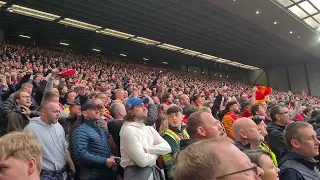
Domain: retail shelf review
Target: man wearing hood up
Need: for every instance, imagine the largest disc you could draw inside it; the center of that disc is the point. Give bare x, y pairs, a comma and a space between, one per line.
51, 135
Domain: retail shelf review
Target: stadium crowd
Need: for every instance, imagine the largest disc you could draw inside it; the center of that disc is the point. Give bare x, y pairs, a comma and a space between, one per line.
66, 116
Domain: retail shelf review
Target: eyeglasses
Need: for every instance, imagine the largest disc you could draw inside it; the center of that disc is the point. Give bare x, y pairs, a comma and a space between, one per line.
254, 168
283, 112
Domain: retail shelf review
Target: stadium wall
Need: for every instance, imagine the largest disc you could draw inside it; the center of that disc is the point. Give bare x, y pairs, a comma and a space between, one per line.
313, 74
278, 78
1, 35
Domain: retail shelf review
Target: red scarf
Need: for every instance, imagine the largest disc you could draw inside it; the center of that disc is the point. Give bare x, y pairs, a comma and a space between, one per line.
233, 116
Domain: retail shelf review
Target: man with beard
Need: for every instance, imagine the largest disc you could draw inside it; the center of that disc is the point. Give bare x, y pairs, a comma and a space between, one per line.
140, 145
229, 118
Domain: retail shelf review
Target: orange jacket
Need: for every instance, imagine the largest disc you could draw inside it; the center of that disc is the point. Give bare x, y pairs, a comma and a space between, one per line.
227, 122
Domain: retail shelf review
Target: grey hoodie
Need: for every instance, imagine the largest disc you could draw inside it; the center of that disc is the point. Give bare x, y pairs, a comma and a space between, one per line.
53, 143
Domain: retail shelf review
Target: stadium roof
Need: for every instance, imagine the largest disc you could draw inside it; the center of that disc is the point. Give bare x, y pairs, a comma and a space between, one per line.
236, 33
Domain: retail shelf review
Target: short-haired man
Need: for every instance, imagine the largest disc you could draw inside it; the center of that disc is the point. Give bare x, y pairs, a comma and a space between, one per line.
184, 100
55, 155
280, 119
297, 162
232, 109
20, 157
216, 158
118, 112
202, 125
19, 117
173, 135
91, 149
140, 145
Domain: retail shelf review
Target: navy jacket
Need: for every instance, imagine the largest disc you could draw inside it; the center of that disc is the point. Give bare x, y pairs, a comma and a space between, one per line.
296, 167
91, 150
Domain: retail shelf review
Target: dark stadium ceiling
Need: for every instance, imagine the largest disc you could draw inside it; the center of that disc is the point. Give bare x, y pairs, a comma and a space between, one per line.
232, 32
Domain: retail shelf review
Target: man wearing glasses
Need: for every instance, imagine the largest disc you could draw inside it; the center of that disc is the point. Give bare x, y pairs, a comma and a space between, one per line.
217, 158
280, 119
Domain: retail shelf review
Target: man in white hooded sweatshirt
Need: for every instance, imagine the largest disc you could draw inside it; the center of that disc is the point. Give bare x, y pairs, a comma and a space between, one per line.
140, 145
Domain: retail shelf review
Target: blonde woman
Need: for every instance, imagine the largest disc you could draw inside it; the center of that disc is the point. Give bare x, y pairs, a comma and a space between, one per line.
263, 160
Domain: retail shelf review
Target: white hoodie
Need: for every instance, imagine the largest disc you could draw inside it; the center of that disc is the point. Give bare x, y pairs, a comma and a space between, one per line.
134, 137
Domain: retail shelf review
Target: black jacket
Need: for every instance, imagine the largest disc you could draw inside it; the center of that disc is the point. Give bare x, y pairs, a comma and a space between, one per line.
275, 139
184, 143
293, 166
114, 128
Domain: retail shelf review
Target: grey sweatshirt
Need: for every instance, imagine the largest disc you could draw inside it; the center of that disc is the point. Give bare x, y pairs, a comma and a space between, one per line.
53, 143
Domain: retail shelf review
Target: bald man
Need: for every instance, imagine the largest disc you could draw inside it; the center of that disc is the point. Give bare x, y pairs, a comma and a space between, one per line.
247, 133
55, 150
117, 111
184, 100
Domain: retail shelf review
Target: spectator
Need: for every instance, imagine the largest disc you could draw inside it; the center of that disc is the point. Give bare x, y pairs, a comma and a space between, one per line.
263, 160
187, 111
20, 157
19, 117
184, 100
167, 98
259, 120
217, 158
231, 115
280, 119
297, 162
55, 155
91, 149
307, 113
248, 134
118, 112
202, 125
140, 145
173, 135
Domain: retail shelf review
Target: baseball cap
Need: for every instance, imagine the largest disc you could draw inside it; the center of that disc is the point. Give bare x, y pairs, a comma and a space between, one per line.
134, 102
74, 103
88, 105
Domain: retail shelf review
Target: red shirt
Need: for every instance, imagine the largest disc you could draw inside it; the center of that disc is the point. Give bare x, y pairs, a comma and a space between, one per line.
246, 113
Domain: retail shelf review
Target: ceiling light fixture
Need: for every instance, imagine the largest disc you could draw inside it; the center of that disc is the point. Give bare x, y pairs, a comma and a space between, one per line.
144, 41
169, 47
275, 22
79, 24
124, 55
257, 12
2, 3
33, 13
65, 44
298, 37
97, 50
290, 32
164, 62
24, 36
146, 59
114, 33
189, 52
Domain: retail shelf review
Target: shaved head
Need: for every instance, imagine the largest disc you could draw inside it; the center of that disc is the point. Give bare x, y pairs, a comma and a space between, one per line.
241, 124
246, 129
